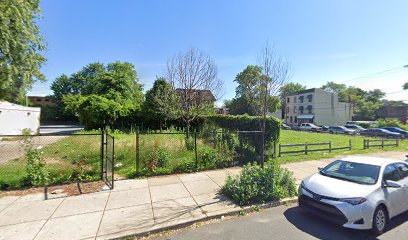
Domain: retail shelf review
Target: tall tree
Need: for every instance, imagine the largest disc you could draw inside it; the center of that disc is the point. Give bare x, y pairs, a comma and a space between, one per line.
100, 94
193, 75
157, 99
405, 86
21, 47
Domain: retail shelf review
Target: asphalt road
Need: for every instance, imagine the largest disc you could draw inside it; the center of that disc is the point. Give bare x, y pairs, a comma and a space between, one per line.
285, 223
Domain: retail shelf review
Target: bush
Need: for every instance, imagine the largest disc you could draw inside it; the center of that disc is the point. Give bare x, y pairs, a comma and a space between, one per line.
37, 173
208, 157
390, 123
163, 157
260, 185
186, 165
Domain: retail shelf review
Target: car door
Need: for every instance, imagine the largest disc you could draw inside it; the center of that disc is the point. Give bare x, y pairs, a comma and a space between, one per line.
403, 171
393, 196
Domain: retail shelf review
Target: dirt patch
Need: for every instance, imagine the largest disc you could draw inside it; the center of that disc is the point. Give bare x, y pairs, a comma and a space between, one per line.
67, 189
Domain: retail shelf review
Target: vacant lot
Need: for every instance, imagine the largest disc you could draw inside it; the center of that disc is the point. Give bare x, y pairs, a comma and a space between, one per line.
160, 154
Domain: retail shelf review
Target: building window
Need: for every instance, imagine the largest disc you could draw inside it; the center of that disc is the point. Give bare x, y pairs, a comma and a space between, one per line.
294, 109
309, 108
38, 99
287, 109
288, 100
295, 119
310, 97
294, 99
291, 119
301, 99
301, 109
47, 100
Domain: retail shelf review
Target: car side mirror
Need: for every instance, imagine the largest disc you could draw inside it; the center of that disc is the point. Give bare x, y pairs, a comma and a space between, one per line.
392, 184
320, 168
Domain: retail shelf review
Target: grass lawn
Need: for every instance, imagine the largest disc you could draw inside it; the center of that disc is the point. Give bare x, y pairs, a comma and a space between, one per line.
168, 152
337, 140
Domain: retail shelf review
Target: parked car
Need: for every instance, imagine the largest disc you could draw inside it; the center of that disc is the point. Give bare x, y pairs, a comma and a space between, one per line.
357, 192
285, 127
325, 128
397, 130
378, 132
407, 158
342, 130
355, 127
309, 127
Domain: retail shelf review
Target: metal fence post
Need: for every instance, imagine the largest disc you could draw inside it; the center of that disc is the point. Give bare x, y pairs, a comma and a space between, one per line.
102, 152
274, 149
113, 161
137, 152
195, 150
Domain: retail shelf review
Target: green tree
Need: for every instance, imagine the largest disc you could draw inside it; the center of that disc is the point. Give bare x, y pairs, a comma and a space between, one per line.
157, 99
405, 86
101, 94
21, 47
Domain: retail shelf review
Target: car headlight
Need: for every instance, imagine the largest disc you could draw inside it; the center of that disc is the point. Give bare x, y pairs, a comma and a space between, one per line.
353, 201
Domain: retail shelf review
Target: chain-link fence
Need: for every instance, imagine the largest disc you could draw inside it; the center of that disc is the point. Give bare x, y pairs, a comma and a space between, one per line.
49, 159
145, 154
53, 159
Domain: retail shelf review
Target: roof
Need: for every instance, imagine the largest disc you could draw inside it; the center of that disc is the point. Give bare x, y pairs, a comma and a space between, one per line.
4, 105
377, 161
202, 94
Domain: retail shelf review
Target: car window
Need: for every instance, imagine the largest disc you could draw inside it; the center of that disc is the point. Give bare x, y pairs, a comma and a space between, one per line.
351, 171
402, 169
391, 173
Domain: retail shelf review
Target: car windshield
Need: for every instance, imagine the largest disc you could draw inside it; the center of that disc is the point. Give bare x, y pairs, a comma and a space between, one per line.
353, 172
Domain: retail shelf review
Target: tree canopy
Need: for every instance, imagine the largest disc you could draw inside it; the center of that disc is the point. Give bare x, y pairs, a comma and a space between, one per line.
100, 94
21, 47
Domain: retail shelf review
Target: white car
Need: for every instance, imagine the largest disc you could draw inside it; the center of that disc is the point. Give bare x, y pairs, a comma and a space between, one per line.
309, 127
358, 192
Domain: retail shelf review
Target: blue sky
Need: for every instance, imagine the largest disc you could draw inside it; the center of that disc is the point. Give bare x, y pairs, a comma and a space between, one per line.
324, 40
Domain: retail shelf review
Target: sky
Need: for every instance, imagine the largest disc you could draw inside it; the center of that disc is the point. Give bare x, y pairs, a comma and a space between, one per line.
360, 43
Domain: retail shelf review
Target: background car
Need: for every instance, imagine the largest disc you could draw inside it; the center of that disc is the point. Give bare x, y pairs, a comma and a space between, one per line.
325, 128
357, 192
355, 127
309, 127
285, 127
397, 130
341, 129
378, 132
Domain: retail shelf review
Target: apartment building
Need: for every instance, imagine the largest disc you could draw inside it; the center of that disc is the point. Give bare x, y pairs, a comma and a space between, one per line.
318, 107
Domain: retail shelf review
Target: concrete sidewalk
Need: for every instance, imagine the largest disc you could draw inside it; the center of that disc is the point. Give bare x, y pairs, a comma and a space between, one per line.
134, 206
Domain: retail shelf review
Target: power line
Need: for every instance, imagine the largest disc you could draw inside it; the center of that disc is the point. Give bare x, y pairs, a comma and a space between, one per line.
372, 74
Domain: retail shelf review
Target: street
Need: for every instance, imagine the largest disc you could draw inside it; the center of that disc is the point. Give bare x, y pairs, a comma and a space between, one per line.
285, 222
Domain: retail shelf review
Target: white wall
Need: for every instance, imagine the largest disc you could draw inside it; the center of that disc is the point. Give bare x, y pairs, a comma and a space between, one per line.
14, 118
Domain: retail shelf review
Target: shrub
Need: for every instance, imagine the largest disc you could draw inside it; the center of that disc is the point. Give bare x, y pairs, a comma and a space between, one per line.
163, 157
185, 165
37, 173
260, 185
208, 157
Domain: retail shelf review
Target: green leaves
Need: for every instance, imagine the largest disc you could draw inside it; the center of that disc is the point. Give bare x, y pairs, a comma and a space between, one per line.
20, 48
100, 94
260, 185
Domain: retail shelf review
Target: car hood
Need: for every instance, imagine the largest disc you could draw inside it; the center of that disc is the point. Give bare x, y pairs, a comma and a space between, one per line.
336, 188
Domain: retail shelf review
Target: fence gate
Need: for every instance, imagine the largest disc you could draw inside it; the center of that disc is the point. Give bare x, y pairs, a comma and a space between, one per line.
108, 159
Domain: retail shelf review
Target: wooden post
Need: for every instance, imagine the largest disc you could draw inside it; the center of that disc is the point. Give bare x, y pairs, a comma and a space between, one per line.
349, 144
382, 143
306, 148
397, 142
280, 149
330, 147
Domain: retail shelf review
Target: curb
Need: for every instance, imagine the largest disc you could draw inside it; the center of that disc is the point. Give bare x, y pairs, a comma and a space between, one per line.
246, 209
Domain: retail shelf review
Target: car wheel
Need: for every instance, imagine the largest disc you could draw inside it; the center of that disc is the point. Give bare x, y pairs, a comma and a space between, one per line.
380, 220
